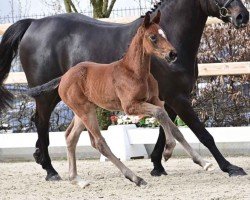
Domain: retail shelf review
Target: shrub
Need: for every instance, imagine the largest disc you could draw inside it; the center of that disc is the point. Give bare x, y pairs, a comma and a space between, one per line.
223, 100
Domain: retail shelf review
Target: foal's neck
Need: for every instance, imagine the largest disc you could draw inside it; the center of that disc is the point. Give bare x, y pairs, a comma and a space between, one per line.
136, 59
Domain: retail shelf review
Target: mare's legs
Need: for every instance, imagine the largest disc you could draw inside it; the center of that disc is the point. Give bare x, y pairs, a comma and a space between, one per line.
72, 135
182, 107
89, 119
44, 108
185, 111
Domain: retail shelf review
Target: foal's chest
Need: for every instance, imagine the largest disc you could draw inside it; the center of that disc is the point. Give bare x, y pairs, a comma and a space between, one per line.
133, 89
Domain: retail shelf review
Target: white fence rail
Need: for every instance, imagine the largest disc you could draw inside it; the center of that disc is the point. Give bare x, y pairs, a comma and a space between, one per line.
126, 141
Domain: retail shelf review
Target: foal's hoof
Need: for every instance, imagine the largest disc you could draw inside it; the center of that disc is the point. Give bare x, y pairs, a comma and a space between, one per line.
158, 172
140, 182
53, 177
83, 184
166, 156
208, 167
236, 171
80, 182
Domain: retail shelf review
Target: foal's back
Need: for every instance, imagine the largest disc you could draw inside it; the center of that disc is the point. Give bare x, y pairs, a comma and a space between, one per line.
90, 82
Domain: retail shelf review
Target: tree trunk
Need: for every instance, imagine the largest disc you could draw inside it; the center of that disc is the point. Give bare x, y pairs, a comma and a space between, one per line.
101, 8
67, 6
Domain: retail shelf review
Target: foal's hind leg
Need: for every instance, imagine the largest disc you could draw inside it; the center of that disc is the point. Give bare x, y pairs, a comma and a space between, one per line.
72, 135
90, 121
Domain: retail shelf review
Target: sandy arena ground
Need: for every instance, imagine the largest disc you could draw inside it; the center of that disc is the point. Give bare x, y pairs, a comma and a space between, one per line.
185, 181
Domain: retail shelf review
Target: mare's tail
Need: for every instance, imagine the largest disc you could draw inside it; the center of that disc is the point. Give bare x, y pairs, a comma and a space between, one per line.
8, 51
47, 87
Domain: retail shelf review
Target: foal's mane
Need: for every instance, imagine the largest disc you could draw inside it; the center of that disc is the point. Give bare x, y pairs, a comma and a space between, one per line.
129, 45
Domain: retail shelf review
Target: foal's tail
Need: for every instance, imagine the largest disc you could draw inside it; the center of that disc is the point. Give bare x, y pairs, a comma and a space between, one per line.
47, 87
8, 51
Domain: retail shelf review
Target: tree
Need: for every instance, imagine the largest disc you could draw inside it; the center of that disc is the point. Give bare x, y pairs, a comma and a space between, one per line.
102, 8
70, 6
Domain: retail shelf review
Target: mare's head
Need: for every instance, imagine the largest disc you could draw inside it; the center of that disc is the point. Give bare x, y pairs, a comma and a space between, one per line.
154, 39
228, 10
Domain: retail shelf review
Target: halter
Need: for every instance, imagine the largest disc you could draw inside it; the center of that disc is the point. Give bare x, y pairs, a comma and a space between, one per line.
224, 12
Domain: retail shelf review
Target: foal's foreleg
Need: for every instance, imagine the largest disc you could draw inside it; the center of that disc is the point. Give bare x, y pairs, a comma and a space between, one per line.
194, 155
160, 114
180, 138
72, 135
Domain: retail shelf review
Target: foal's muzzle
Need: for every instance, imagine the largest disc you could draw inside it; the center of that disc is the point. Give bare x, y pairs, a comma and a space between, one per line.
171, 56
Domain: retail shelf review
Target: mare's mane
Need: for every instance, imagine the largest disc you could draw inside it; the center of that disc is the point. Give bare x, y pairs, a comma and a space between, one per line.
156, 7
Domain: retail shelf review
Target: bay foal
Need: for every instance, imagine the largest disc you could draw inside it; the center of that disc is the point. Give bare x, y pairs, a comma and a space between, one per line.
126, 85
123, 85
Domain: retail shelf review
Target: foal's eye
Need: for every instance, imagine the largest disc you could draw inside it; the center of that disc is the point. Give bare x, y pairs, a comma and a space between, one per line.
153, 38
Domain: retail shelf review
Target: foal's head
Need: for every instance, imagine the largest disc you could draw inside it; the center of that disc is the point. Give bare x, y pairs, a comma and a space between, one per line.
155, 41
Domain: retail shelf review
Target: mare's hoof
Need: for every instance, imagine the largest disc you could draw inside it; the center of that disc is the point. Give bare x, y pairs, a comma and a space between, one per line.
140, 182
158, 172
236, 171
53, 177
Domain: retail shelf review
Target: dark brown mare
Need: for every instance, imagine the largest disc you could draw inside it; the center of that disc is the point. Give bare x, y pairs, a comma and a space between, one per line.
50, 46
124, 85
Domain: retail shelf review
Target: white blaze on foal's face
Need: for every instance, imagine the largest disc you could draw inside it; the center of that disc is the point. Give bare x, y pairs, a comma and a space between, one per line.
161, 32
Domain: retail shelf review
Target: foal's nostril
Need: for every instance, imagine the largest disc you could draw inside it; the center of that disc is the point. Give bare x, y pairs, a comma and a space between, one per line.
172, 56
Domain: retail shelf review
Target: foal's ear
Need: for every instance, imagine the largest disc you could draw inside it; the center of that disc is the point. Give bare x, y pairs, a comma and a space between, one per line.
146, 22
157, 18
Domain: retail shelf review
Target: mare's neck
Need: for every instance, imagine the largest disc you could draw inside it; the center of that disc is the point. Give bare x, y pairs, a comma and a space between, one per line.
136, 59
184, 22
